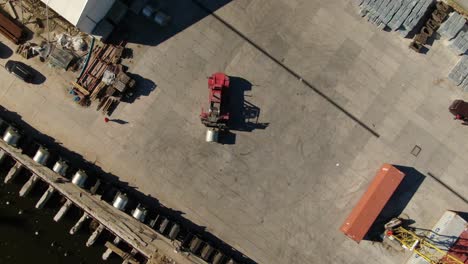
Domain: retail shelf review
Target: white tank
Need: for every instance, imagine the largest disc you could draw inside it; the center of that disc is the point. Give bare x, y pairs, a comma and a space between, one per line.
120, 201
212, 135
140, 213
60, 167
42, 155
11, 136
79, 178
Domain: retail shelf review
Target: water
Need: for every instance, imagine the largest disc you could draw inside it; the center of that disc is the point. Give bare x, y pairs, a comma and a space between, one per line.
29, 235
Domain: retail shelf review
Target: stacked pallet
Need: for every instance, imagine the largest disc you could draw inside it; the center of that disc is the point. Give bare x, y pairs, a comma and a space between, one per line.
459, 74
93, 84
399, 15
456, 31
450, 28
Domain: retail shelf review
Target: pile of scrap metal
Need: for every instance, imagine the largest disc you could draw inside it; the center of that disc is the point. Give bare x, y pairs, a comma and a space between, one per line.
103, 79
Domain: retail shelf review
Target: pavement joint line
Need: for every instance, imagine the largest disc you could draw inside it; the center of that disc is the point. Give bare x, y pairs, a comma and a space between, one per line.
447, 187
288, 69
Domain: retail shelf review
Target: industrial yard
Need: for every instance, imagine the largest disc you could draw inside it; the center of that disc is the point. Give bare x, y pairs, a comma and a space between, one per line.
322, 99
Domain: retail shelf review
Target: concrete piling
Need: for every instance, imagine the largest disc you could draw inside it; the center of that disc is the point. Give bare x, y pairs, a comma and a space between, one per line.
95, 235
27, 187
78, 224
14, 171
45, 197
66, 206
2, 155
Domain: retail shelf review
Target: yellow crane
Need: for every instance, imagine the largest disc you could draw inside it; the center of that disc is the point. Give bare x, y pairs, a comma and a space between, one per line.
419, 244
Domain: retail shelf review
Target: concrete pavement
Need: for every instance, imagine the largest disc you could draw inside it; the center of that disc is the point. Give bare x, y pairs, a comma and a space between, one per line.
277, 194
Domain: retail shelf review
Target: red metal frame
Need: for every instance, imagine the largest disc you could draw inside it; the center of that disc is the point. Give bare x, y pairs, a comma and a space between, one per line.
217, 114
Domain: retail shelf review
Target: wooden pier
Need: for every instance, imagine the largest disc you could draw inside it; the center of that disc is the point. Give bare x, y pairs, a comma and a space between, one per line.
138, 235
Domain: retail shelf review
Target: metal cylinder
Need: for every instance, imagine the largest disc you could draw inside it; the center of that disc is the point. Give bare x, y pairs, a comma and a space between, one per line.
11, 136
212, 135
60, 167
79, 178
41, 156
140, 213
175, 229
120, 201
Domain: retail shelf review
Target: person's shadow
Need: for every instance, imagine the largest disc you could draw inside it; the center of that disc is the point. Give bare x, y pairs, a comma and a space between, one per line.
118, 121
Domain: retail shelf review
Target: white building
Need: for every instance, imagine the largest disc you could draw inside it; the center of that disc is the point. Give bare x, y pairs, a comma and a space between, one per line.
84, 14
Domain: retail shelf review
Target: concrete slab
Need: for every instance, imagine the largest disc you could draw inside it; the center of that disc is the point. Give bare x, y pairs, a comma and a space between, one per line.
278, 194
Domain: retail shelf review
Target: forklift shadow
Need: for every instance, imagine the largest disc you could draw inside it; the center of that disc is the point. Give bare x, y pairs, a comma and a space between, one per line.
244, 115
397, 202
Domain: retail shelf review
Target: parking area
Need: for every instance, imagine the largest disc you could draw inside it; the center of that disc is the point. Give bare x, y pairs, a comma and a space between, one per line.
276, 192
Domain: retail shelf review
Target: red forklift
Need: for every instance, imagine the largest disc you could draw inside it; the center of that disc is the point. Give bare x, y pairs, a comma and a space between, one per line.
217, 115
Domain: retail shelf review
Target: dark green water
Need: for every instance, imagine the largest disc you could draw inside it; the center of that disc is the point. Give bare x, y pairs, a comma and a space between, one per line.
19, 222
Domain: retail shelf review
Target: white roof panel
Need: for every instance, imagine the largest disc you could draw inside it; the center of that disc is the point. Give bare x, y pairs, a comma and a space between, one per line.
69, 9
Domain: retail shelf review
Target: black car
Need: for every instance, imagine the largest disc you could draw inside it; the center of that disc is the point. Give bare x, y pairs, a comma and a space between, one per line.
20, 70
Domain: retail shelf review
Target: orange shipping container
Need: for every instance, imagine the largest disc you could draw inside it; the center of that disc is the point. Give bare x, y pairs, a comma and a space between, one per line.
372, 202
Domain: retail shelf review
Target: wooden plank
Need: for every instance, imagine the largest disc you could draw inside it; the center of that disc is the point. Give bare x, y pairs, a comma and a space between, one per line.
124, 255
80, 88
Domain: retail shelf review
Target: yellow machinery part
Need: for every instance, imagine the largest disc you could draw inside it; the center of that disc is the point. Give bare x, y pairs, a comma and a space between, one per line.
431, 253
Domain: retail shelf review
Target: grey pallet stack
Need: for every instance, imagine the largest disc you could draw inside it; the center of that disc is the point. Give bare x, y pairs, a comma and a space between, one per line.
450, 28
459, 73
417, 13
379, 12
401, 15
459, 44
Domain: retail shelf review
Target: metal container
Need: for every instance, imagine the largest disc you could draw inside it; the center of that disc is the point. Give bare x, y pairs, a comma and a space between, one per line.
60, 167
164, 225
212, 135
120, 201
79, 178
11, 136
42, 155
195, 244
175, 229
372, 202
140, 213
206, 252
218, 258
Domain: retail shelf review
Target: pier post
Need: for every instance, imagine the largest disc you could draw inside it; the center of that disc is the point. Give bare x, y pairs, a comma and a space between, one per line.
78, 224
45, 197
95, 235
14, 171
2, 155
109, 251
62, 211
27, 187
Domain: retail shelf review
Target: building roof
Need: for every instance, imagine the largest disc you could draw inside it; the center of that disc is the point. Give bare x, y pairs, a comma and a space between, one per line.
70, 10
